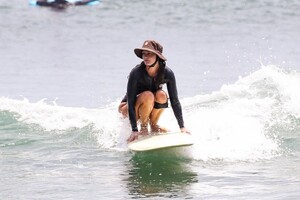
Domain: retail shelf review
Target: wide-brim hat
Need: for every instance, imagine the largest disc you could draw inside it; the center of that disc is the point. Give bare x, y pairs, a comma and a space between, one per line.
152, 46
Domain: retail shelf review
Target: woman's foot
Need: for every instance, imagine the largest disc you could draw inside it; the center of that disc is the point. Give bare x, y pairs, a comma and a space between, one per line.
144, 130
158, 129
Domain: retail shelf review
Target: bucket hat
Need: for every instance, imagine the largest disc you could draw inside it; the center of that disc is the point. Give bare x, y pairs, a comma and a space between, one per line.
152, 46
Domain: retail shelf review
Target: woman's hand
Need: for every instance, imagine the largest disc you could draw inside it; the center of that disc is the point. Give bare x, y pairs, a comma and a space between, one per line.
184, 130
134, 135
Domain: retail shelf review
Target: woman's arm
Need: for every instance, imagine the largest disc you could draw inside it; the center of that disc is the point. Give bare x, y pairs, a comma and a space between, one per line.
131, 99
173, 95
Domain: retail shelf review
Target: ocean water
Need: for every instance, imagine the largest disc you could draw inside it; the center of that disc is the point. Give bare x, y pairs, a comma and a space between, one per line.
63, 74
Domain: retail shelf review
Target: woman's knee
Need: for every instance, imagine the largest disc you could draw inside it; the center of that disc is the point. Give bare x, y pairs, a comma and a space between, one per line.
123, 109
161, 96
147, 96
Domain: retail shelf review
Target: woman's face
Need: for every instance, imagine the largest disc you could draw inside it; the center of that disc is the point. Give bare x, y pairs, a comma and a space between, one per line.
148, 57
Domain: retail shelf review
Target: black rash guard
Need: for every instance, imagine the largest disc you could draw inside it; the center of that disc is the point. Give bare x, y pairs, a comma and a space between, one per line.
139, 81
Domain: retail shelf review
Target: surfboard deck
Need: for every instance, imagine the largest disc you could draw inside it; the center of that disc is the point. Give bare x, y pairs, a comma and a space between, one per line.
161, 141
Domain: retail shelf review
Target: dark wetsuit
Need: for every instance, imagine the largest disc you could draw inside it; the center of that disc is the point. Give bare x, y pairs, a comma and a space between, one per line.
62, 3
55, 4
139, 81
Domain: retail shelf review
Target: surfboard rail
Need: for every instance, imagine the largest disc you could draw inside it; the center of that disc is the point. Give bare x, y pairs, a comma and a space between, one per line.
161, 141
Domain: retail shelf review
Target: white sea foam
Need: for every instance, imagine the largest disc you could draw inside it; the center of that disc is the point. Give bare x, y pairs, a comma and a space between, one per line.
234, 123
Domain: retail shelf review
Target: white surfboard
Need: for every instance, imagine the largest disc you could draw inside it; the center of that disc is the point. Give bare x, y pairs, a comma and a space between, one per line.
161, 141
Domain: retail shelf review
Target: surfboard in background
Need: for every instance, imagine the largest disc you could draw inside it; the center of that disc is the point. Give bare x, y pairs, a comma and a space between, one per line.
161, 141
91, 3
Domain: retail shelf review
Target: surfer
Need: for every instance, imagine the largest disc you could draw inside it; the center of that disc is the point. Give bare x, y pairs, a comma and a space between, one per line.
145, 100
61, 4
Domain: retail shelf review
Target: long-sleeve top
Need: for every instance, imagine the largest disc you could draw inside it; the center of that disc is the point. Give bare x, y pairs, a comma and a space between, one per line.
139, 81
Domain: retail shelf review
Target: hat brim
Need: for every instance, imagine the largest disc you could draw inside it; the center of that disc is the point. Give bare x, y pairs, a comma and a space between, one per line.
138, 53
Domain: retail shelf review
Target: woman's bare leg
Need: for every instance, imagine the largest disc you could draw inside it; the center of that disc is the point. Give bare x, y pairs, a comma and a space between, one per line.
145, 110
143, 107
123, 109
160, 97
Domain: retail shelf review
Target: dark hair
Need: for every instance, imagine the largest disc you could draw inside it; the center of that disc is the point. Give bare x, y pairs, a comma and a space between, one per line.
161, 72
160, 78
